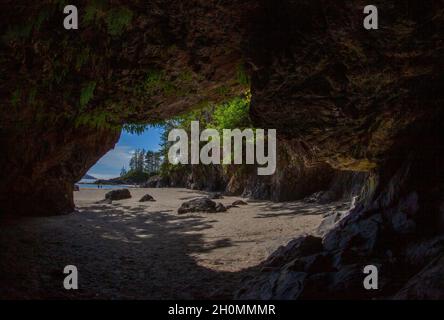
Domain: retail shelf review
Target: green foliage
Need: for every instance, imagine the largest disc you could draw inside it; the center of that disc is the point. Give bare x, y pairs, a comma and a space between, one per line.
87, 93
232, 114
143, 164
223, 90
155, 82
242, 76
93, 10
135, 128
17, 32
229, 115
23, 31
153, 161
186, 76
135, 176
153, 79
117, 20
97, 119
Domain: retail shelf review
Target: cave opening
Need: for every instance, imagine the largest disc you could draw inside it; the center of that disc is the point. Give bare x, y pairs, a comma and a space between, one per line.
135, 157
358, 116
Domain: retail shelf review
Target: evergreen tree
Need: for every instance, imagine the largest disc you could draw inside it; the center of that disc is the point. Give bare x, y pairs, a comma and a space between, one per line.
149, 161
132, 163
157, 161
137, 161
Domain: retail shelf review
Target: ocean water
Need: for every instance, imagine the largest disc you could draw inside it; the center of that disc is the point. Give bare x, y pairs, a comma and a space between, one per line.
103, 186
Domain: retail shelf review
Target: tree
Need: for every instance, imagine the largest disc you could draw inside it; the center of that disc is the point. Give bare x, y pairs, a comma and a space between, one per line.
140, 161
153, 161
132, 163
123, 172
157, 161
137, 161
149, 165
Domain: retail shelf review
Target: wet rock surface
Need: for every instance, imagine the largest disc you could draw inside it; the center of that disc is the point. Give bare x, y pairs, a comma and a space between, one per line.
220, 207
239, 203
198, 205
381, 233
146, 198
204, 204
119, 194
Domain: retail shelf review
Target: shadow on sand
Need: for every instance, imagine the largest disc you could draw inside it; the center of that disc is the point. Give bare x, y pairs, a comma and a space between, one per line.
120, 252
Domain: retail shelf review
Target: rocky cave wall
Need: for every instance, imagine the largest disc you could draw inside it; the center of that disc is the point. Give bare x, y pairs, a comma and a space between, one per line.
358, 100
297, 176
362, 101
65, 94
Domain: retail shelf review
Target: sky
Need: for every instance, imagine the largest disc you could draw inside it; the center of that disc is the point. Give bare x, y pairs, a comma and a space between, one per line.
110, 165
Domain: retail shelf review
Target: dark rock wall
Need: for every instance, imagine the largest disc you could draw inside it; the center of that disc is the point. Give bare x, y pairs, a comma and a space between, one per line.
363, 101
196, 177
297, 176
42, 164
397, 227
316, 74
66, 93
347, 93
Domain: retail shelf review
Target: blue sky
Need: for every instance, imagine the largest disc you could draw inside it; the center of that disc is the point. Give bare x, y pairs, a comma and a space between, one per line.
110, 164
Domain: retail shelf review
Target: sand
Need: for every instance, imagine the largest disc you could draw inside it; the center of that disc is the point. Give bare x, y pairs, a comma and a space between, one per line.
132, 250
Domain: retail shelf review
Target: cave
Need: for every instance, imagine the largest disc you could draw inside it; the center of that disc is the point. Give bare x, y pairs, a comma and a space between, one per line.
345, 100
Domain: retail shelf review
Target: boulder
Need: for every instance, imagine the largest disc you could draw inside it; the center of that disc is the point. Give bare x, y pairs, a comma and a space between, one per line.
118, 194
239, 203
198, 205
220, 207
302, 246
216, 195
146, 198
330, 220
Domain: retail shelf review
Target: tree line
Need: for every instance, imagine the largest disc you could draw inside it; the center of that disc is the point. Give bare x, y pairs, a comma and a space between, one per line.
143, 161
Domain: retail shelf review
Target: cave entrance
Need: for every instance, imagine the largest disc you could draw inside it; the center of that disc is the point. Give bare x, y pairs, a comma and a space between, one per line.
157, 228
142, 242
134, 159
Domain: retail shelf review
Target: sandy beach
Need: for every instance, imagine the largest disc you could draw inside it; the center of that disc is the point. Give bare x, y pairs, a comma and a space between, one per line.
133, 250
